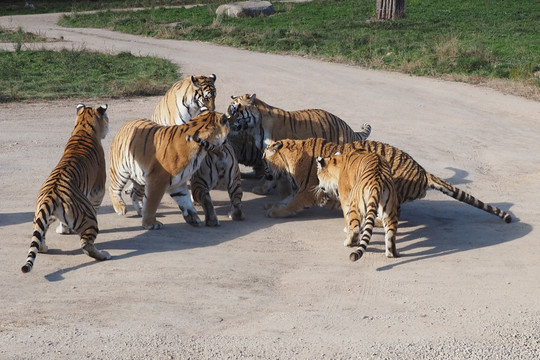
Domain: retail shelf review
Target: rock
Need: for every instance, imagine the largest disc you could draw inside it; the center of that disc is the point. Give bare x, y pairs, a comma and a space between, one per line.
246, 9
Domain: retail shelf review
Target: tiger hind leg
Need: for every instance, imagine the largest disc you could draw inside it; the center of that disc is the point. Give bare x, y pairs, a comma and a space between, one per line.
390, 228
87, 227
234, 188
367, 232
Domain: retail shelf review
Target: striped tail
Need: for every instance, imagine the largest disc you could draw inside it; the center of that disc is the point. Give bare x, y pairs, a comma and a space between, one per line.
205, 144
369, 223
364, 133
437, 183
41, 223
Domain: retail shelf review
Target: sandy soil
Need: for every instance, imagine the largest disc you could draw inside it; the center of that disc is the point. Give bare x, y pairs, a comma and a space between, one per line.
467, 284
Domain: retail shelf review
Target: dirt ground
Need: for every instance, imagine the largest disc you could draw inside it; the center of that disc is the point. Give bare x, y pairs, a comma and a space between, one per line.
465, 287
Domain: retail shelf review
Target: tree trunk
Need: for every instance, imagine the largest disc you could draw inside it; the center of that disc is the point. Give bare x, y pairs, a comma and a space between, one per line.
390, 9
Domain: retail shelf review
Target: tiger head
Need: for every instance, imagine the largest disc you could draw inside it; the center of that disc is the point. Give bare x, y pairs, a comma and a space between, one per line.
274, 164
243, 112
93, 120
210, 126
205, 91
328, 172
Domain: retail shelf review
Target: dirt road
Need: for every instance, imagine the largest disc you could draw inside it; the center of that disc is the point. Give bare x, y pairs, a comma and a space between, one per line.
467, 285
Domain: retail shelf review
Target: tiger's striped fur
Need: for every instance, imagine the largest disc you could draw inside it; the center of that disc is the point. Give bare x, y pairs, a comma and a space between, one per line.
186, 99
365, 186
411, 181
159, 159
220, 166
75, 188
266, 123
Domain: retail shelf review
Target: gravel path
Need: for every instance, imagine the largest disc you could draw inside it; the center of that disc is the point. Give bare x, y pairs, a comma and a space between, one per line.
466, 287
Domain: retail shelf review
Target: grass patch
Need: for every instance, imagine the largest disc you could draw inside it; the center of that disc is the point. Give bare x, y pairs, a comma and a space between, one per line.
469, 39
48, 74
16, 7
19, 36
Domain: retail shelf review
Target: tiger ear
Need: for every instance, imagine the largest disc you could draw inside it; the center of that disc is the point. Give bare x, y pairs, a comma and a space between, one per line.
79, 107
320, 161
233, 97
101, 110
252, 98
212, 77
337, 153
194, 82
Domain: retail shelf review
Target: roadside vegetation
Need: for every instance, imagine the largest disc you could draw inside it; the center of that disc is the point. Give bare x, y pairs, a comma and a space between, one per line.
491, 42
17, 7
468, 40
47, 74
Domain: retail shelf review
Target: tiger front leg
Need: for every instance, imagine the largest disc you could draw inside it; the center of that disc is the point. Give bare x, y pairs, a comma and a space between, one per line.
234, 189
181, 195
64, 229
137, 197
202, 196
154, 191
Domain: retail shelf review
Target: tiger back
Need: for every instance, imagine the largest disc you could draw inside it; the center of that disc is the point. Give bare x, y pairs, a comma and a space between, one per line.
221, 166
365, 186
75, 188
411, 180
265, 123
159, 159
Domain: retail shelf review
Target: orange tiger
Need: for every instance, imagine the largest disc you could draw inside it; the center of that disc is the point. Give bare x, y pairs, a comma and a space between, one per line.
265, 123
75, 188
364, 183
159, 159
220, 167
296, 158
186, 99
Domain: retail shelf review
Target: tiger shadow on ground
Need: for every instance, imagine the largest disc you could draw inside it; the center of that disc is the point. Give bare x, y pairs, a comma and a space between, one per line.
432, 228
127, 236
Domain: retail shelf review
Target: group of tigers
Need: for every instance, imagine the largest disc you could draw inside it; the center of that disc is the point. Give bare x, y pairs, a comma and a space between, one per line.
311, 156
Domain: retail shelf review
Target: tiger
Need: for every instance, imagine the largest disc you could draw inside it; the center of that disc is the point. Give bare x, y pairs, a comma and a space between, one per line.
296, 158
184, 100
74, 190
363, 180
159, 159
265, 123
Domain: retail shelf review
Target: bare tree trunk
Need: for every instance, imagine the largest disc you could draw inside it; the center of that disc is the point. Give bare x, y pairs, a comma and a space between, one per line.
390, 9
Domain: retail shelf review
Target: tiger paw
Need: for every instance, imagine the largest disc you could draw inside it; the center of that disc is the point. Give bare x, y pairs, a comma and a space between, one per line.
279, 213
260, 190
63, 229
155, 226
120, 209
390, 254
192, 218
212, 222
90, 250
236, 214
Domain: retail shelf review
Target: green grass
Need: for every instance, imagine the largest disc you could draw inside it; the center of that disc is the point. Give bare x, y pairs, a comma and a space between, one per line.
19, 36
467, 39
48, 74
16, 7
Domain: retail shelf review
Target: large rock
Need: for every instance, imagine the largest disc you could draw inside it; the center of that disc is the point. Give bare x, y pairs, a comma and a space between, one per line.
246, 9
